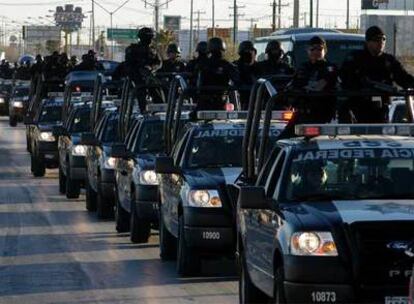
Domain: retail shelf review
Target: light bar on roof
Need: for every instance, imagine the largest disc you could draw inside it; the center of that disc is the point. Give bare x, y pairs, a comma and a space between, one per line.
310, 130
280, 115
221, 115
55, 94
157, 107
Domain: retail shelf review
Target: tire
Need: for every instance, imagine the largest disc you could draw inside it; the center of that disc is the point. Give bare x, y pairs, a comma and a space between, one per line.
104, 205
37, 166
168, 243
62, 181
90, 197
12, 121
72, 186
140, 228
188, 261
248, 292
279, 292
121, 216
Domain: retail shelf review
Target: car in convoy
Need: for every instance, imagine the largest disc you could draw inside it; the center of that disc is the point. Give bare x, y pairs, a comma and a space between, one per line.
294, 43
329, 219
19, 102
72, 165
137, 192
44, 144
196, 217
6, 87
100, 177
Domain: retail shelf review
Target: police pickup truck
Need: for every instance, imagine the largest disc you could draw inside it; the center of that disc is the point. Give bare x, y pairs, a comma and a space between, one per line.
100, 177
19, 102
333, 220
72, 167
196, 214
136, 181
44, 145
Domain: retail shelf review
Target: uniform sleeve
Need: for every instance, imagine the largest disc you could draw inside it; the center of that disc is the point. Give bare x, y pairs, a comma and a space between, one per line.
401, 76
300, 79
331, 77
234, 74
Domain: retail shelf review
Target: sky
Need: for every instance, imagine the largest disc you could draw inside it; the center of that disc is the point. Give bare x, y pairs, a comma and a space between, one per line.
134, 13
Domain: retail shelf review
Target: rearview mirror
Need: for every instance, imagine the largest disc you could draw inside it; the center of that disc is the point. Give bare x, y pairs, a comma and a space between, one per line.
253, 198
165, 165
89, 139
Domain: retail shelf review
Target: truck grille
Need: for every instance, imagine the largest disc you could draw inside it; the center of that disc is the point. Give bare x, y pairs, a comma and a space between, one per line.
379, 261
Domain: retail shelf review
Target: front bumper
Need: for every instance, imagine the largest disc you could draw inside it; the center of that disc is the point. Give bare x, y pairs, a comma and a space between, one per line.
341, 293
209, 229
4, 108
147, 204
48, 151
17, 112
78, 168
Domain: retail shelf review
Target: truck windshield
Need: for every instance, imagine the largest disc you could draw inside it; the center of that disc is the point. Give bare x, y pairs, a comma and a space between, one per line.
81, 122
21, 92
337, 51
215, 149
351, 174
151, 138
111, 131
51, 114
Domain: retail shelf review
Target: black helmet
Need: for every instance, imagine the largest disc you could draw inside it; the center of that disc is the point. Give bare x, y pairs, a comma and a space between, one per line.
272, 45
246, 46
202, 48
173, 48
146, 34
216, 44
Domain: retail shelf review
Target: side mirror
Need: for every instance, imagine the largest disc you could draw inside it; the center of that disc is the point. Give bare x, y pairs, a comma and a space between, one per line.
119, 151
253, 198
59, 131
165, 165
27, 120
89, 139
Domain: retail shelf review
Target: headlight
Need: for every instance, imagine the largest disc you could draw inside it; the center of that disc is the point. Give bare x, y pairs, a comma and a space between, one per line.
110, 162
18, 104
313, 244
204, 198
79, 150
46, 136
2, 100
148, 177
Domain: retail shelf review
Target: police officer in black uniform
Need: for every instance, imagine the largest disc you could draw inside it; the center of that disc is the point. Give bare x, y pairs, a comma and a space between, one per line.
37, 67
371, 68
216, 73
274, 65
89, 63
248, 70
197, 63
141, 62
315, 75
173, 63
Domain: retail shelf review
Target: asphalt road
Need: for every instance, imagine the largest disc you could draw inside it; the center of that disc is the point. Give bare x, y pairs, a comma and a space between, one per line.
53, 251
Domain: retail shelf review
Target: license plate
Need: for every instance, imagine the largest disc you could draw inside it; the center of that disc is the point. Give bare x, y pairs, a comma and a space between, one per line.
48, 156
396, 300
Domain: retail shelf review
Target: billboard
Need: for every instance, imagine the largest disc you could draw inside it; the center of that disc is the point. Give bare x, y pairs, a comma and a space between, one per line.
387, 5
70, 18
36, 34
172, 23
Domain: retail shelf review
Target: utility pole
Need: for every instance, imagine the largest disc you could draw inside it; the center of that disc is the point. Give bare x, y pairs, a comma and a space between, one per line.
279, 6
190, 46
311, 13
93, 24
198, 13
156, 5
347, 14
295, 13
317, 13
236, 16
213, 16
274, 16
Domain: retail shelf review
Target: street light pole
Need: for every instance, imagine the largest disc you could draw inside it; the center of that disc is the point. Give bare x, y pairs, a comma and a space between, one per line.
190, 48
93, 24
